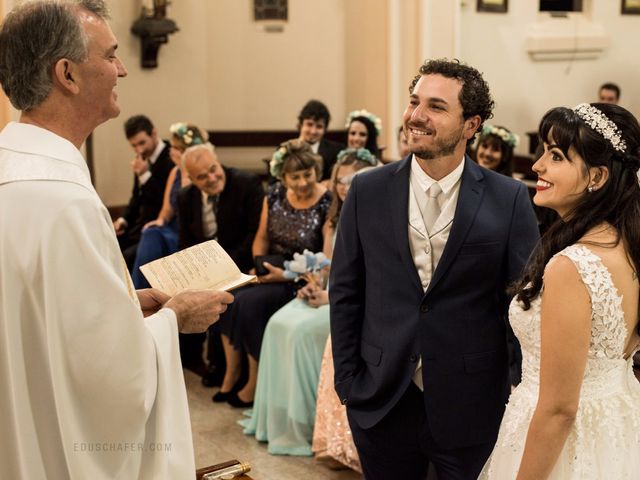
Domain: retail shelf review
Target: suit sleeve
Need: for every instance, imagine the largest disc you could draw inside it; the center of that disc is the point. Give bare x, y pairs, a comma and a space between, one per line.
347, 296
523, 234
152, 192
253, 197
185, 236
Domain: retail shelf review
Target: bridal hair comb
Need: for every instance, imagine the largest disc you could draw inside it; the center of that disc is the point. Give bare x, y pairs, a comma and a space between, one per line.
599, 122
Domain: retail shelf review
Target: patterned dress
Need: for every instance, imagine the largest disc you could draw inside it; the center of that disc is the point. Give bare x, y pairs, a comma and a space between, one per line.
290, 230
332, 439
604, 441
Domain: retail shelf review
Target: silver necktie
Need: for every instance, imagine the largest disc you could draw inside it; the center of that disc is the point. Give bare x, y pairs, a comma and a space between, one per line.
431, 210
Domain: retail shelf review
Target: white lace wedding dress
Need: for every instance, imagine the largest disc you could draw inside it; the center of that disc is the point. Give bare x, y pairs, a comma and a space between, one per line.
604, 442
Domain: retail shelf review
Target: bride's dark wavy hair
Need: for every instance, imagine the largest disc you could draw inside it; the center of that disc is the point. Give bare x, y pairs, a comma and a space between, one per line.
617, 202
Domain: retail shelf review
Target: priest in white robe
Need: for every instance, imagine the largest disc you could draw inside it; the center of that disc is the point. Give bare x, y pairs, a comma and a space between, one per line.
90, 389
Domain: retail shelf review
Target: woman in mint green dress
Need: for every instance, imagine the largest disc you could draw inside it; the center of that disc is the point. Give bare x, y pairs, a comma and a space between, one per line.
285, 402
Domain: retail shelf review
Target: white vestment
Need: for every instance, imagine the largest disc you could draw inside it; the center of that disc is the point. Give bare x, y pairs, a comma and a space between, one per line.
90, 389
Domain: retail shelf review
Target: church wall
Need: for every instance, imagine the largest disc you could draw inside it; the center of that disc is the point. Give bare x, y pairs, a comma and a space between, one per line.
524, 89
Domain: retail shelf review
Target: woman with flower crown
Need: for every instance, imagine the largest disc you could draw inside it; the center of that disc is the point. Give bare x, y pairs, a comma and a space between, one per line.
160, 236
284, 409
495, 149
576, 413
363, 129
293, 213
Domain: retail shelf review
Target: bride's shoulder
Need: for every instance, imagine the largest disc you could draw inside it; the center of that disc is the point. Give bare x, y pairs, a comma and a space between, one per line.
563, 278
568, 265
562, 264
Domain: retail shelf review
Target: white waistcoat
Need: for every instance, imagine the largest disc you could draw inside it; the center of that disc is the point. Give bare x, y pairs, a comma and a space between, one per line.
426, 249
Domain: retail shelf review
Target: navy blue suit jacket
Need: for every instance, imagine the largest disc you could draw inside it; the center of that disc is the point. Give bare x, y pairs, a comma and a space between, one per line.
382, 321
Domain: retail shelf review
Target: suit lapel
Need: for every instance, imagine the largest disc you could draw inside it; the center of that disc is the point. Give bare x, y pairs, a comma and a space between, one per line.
398, 193
469, 200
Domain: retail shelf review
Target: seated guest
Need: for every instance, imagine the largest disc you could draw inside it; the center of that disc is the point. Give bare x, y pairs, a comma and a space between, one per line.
221, 203
363, 129
291, 221
609, 93
160, 236
151, 167
495, 149
285, 402
313, 121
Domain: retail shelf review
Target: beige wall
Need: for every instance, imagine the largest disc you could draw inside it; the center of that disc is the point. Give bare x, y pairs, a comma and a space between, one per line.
525, 89
367, 40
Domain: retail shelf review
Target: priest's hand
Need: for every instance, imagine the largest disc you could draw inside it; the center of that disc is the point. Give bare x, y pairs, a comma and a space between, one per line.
151, 300
197, 309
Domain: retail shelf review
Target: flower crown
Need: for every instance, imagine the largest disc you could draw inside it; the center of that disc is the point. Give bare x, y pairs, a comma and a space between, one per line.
363, 113
188, 135
599, 122
505, 135
277, 161
360, 153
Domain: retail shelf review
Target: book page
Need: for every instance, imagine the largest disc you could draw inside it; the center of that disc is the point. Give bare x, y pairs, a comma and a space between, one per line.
203, 266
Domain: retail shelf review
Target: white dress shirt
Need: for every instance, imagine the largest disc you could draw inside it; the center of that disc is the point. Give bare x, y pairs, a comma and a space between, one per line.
427, 247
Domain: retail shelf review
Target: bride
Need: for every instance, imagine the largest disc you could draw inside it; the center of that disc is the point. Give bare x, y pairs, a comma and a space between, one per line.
576, 414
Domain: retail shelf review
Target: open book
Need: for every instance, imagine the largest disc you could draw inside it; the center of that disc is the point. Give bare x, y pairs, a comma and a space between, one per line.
203, 266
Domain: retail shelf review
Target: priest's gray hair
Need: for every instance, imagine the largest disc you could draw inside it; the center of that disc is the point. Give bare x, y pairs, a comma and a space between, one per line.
33, 37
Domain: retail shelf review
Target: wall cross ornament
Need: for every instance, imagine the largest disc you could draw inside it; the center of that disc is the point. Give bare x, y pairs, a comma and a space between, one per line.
153, 27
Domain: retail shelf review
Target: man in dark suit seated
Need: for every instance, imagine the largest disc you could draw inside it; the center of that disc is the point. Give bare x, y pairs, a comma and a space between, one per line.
313, 121
151, 167
222, 203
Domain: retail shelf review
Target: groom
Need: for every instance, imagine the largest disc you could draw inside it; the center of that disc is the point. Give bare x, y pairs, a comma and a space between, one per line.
425, 251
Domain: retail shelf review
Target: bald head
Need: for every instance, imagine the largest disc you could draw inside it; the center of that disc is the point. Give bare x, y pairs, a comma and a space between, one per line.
204, 169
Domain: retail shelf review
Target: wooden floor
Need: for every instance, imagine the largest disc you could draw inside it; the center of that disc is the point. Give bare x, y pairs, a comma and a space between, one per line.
218, 438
